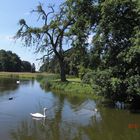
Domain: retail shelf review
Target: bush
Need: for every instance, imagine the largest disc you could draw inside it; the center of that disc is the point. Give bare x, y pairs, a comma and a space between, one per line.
100, 81
133, 85
88, 78
105, 83
83, 71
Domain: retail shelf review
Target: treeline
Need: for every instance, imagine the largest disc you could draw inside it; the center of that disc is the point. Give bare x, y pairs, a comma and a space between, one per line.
111, 64
10, 62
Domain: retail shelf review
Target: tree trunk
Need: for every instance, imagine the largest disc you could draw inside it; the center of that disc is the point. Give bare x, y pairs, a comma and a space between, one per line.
62, 71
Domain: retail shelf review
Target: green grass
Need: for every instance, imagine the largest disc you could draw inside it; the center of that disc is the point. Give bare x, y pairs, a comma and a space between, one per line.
18, 75
26, 75
73, 86
74, 80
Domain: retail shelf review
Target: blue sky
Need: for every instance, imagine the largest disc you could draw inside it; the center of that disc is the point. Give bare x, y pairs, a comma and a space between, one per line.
11, 11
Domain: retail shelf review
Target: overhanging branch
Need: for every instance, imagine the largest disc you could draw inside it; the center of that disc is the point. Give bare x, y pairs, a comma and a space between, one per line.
46, 55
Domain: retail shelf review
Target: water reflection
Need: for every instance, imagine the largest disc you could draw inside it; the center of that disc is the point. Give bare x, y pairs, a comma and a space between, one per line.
68, 117
114, 126
56, 128
7, 85
65, 121
109, 127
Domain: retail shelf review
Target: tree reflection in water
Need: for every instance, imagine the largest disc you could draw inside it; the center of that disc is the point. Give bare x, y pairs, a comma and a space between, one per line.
10, 84
68, 117
7, 84
69, 120
67, 123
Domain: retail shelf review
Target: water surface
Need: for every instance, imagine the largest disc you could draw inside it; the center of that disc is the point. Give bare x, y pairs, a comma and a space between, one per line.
68, 117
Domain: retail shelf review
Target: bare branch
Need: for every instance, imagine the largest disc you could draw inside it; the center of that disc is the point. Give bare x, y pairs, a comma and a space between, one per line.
49, 14
43, 13
70, 22
46, 55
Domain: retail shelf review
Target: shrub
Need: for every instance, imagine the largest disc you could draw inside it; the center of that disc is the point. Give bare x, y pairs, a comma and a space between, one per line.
100, 81
83, 71
88, 78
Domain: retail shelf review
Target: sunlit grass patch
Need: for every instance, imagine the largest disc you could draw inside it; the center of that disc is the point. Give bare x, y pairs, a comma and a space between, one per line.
73, 86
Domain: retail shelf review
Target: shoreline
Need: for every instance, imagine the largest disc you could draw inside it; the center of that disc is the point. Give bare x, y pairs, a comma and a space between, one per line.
51, 82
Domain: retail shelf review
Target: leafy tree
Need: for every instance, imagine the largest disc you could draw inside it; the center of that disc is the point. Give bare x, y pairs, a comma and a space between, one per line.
75, 60
50, 35
14, 62
4, 60
11, 62
43, 67
26, 66
116, 49
56, 28
33, 68
50, 65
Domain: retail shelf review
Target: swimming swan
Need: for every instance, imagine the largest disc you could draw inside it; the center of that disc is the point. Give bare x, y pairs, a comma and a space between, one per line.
95, 109
18, 82
38, 115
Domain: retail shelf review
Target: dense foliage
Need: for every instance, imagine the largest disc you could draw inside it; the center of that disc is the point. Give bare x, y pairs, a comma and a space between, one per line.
11, 62
111, 63
117, 39
116, 50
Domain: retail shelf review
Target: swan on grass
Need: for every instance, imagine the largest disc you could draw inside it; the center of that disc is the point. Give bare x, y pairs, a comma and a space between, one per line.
39, 115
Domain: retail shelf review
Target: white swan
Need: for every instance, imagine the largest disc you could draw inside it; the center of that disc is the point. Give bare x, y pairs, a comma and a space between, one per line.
95, 109
39, 115
18, 82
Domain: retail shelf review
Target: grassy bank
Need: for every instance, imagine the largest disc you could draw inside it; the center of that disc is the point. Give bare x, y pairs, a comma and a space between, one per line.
18, 75
73, 86
27, 75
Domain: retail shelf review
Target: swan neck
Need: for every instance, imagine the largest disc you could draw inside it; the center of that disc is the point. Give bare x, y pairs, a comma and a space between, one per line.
44, 112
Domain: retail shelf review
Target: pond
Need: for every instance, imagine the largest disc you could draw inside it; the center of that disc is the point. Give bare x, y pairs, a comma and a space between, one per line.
68, 117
